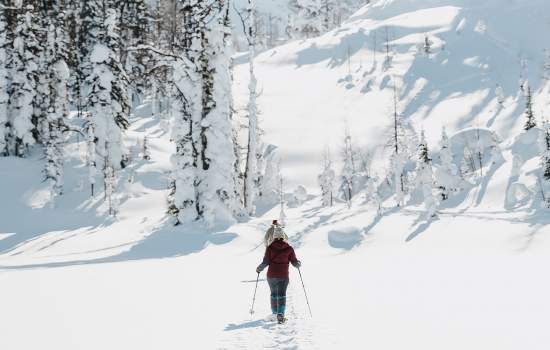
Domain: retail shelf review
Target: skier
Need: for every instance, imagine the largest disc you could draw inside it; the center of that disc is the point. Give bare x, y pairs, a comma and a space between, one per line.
278, 255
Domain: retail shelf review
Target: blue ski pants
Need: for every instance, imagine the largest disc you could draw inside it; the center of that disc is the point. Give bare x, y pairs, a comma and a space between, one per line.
278, 288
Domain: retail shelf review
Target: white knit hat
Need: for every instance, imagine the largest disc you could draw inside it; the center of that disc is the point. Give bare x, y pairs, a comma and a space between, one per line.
278, 233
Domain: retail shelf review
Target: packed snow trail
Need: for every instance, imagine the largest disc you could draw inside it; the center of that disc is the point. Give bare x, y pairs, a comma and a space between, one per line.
265, 333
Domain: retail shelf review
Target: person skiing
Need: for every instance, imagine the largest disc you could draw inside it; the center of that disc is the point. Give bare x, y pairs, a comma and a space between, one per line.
278, 255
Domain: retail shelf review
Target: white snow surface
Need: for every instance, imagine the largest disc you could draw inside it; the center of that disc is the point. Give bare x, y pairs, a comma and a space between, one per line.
473, 278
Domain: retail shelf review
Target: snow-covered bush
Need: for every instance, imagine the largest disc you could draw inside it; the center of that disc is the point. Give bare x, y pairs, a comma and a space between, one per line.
446, 174
425, 180
326, 181
300, 194
476, 150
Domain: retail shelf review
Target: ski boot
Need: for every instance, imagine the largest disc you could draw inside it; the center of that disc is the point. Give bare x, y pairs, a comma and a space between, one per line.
281, 319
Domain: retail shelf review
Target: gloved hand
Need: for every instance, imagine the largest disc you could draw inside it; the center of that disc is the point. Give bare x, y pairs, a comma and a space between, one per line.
297, 264
259, 269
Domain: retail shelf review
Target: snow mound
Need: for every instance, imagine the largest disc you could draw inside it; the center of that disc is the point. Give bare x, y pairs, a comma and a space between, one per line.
345, 238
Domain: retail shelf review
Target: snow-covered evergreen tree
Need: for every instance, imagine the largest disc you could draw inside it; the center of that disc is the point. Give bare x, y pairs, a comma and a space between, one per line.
310, 18
136, 31
254, 162
107, 101
5, 49
218, 184
529, 115
91, 162
388, 49
349, 170
205, 182
425, 178
326, 180
271, 178
402, 143
110, 181
371, 193
187, 99
145, 151
468, 163
307, 17
500, 95
282, 214
447, 176
57, 109
545, 159
495, 153
427, 47
546, 65
24, 64
299, 195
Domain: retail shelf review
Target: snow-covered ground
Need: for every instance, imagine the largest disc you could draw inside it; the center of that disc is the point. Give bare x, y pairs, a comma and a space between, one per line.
472, 279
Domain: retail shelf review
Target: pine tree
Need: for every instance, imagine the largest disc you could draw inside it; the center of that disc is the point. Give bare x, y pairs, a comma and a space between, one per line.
427, 47
371, 193
5, 51
184, 197
495, 152
327, 10
91, 153
546, 154
311, 18
87, 19
307, 17
252, 175
136, 33
501, 98
145, 153
218, 187
326, 180
402, 143
57, 108
447, 173
546, 65
545, 159
271, 179
110, 181
388, 49
282, 214
205, 183
531, 122
468, 163
349, 170
107, 101
478, 152
24, 64
425, 177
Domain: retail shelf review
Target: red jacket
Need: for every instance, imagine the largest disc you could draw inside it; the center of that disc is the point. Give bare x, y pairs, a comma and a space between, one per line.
278, 255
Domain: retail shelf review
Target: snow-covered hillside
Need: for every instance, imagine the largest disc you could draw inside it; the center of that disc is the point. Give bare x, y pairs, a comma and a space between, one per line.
72, 277
480, 51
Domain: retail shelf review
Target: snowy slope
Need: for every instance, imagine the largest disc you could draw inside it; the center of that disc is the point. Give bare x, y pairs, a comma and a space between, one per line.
473, 279
309, 90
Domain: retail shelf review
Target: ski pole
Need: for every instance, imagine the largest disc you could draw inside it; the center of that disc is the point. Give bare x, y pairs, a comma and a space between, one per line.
305, 293
254, 299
